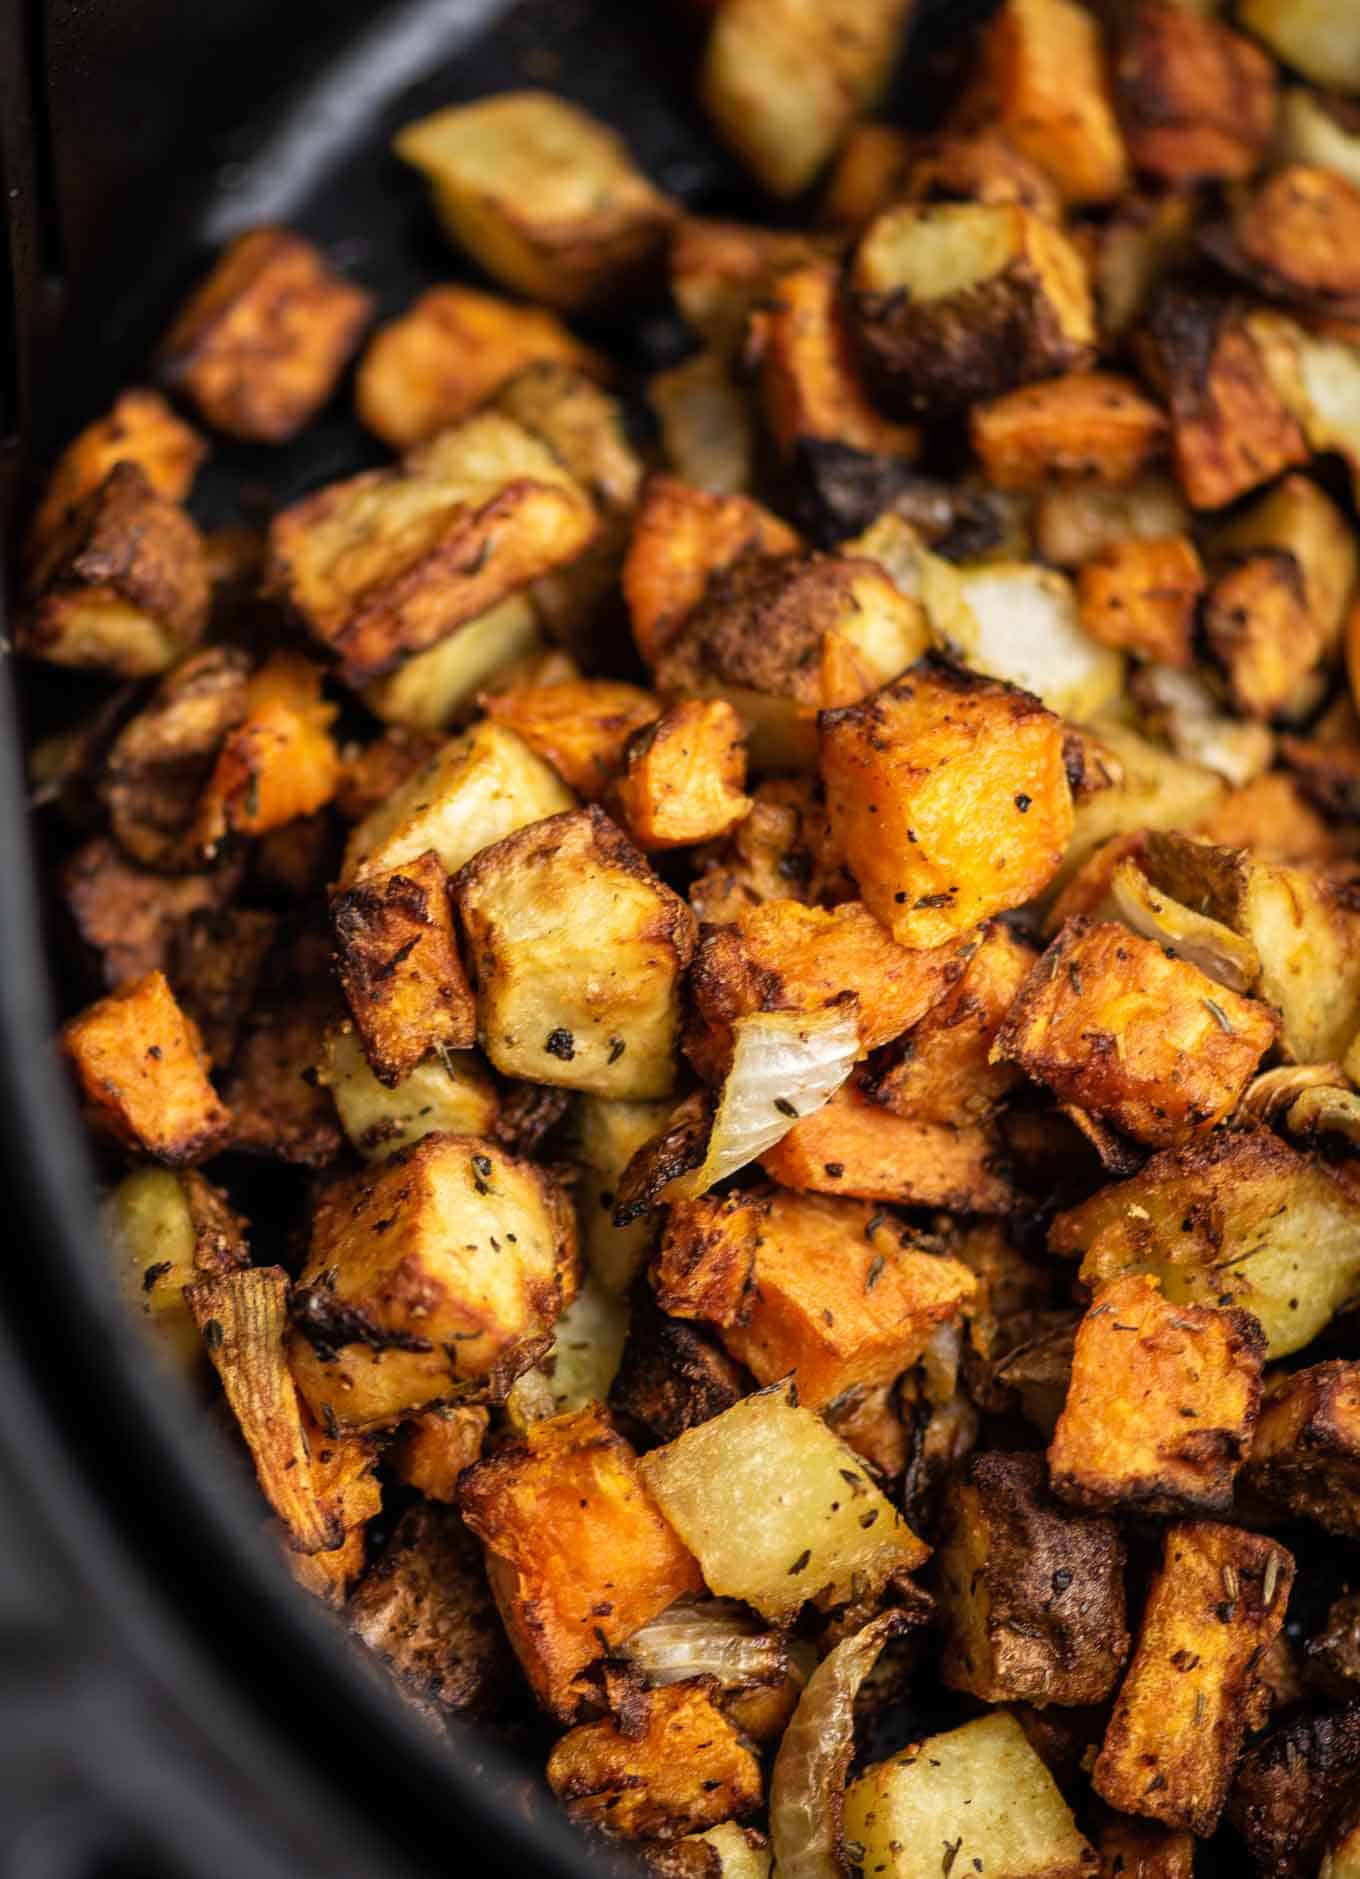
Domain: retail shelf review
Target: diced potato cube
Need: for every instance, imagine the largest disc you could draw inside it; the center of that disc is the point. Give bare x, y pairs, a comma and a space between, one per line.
131, 920
681, 1767
1295, 1789
707, 423
609, 1133
433, 1277
447, 353
870, 173
1084, 424
1147, 239
1216, 1605
1022, 623
1161, 1406
683, 777
1305, 1459
1259, 630
143, 1070
1151, 789
957, 302
948, 795
1074, 522
776, 1509
1106, 1020
581, 726
784, 80
1032, 1596
977, 165
980, 1791
578, 1554
1141, 597
721, 271
279, 763
1196, 100
139, 428
1141, 1849
472, 792
577, 950
545, 197
1272, 817
433, 688
672, 1376
390, 562
1317, 381
1319, 40
169, 1229
260, 344
780, 852
435, 1448
1045, 67
1301, 521
1297, 235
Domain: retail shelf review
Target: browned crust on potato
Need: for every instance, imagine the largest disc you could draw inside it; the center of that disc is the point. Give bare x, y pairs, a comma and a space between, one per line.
143, 1069
1292, 1786
130, 918
1305, 1458
1196, 100
672, 1376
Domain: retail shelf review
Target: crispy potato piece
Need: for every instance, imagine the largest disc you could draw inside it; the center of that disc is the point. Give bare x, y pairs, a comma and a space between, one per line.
139, 428
472, 792
678, 1768
260, 344
545, 197
1259, 629
581, 727
784, 80
1095, 424
1141, 597
980, 1793
1045, 71
130, 918
681, 538
776, 1509
434, 1449
1074, 522
370, 773
1141, 1849
1161, 1406
1031, 1597
143, 1071
279, 763
982, 165
780, 852
1321, 41
1271, 816
577, 950
956, 302
851, 1146
447, 353
577, 1552
121, 586
399, 967
1216, 1604
389, 562
215, 962
1305, 1459
1296, 236
721, 271
707, 423
1316, 378
1106, 1020
683, 776
1231, 429
1196, 100
672, 1375
450, 1093
1185, 709
948, 795
869, 174
1294, 1787
1298, 519
608, 1133
435, 688
167, 1230
411, 1296
278, 1104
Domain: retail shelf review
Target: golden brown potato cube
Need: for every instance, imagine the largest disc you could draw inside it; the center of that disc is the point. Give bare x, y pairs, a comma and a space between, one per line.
399, 967
684, 776
447, 353
434, 689
1161, 1406
869, 174
433, 1450
425, 1609
1096, 424
1141, 597
578, 1554
1196, 100
581, 727
780, 852
370, 773
1295, 1791
783, 80
545, 197
707, 422
1230, 428
143, 1071
1045, 71
139, 428
681, 538
1107, 1021
390, 562
577, 951
169, 1229
1031, 1596
940, 1070
851, 1146
607, 1134
960, 301
679, 1768
1140, 1849
980, 165
121, 585
1272, 817
949, 798
433, 1276
260, 344
451, 1093
721, 271
279, 763
1260, 631
1216, 1605
1297, 235
129, 917
1305, 1459
1298, 519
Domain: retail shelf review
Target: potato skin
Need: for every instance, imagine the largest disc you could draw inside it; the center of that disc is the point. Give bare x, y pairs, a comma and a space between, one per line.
672, 1375
1306, 1455
139, 428
1292, 1786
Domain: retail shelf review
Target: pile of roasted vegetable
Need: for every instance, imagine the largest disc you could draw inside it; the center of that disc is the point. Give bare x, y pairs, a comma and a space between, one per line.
798, 971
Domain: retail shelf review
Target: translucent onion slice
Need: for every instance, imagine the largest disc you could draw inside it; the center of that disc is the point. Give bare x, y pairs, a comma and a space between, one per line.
713, 1637
807, 1787
1208, 944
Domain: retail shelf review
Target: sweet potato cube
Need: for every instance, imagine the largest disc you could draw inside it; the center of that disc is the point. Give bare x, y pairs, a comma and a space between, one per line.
581, 727
948, 795
1141, 597
453, 347
1161, 1406
1196, 100
545, 197
279, 763
1096, 424
680, 1769
1032, 1596
399, 967
1153, 1044
1305, 1458
389, 562
142, 1068
1216, 1605
1044, 66
434, 1276
261, 343
139, 428
683, 777
578, 1554
434, 1449
577, 950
